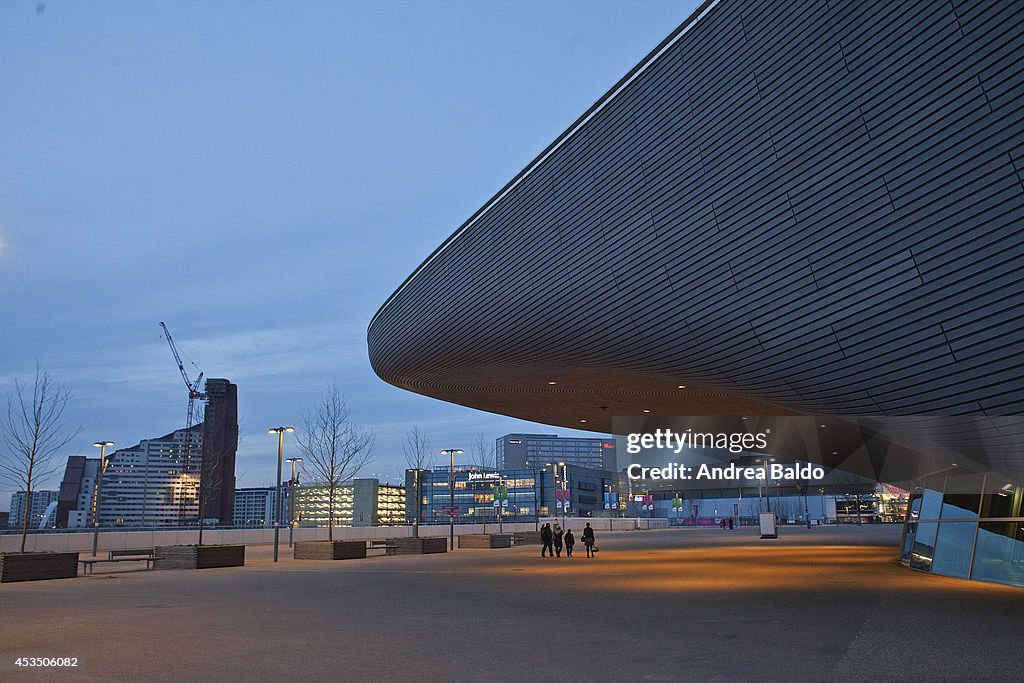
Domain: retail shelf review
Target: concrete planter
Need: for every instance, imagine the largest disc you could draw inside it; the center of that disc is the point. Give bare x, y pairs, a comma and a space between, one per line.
419, 546
330, 550
37, 566
199, 556
485, 541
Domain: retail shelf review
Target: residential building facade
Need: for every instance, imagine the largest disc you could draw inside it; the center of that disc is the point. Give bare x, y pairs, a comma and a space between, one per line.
42, 510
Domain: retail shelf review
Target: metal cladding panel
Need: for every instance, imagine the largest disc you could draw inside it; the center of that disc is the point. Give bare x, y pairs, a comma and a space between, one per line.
795, 207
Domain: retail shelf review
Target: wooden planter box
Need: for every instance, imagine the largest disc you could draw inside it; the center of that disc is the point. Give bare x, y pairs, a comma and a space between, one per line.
199, 556
485, 541
37, 566
525, 537
329, 550
420, 546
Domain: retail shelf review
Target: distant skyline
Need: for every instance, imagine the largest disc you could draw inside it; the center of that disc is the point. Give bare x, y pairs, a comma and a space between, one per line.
262, 176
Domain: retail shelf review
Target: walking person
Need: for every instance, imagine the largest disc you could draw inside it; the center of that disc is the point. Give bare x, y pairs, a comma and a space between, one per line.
558, 539
545, 539
570, 541
589, 540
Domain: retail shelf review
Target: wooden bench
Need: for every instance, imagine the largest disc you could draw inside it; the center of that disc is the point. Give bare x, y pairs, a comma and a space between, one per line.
388, 547
143, 552
89, 565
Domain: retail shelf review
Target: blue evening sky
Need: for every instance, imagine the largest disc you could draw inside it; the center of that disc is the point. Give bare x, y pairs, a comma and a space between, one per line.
262, 175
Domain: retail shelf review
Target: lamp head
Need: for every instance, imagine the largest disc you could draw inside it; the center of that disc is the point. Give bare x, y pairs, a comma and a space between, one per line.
280, 430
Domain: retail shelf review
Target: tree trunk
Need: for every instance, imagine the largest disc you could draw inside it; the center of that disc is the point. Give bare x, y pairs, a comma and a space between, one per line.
330, 513
200, 502
419, 497
24, 527
28, 498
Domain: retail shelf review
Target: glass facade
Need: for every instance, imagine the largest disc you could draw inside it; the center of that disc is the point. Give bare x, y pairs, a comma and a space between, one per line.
539, 450
529, 492
474, 494
966, 524
360, 502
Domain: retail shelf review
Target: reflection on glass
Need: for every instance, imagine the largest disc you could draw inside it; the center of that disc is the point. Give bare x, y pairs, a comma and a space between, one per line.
961, 497
953, 549
908, 542
1002, 499
930, 505
914, 505
922, 546
960, 505
999, 555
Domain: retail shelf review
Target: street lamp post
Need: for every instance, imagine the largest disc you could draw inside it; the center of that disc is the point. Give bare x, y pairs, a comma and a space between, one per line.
537, 484
565, 492
292, 483
500, 509
451, 494
564, 487
102, 445
767, 488
277, 500
807, 510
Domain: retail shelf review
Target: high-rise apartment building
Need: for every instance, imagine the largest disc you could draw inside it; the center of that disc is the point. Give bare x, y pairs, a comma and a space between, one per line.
159, 482
220, 443
143, 485
42, 510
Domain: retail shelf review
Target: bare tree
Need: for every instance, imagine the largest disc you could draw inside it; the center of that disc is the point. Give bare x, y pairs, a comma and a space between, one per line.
33, 433
418, 456
787, 509
334, 448
485, 452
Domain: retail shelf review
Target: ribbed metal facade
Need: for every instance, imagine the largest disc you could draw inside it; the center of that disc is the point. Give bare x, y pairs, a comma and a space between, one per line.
800, 206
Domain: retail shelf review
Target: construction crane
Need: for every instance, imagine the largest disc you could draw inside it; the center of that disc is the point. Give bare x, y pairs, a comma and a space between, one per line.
194, 395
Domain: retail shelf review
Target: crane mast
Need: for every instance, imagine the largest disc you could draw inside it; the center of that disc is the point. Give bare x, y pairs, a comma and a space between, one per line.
194, 395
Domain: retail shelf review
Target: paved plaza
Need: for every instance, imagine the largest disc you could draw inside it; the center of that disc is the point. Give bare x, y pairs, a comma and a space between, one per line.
818, 604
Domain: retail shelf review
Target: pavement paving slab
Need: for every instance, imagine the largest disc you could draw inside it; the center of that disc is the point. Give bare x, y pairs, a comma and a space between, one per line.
821, 604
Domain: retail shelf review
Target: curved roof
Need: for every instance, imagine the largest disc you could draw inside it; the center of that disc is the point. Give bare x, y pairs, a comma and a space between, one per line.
787, 210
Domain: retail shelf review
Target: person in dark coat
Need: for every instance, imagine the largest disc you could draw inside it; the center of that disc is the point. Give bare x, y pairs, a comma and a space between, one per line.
558, 539
570, 541
589, 540
545, 539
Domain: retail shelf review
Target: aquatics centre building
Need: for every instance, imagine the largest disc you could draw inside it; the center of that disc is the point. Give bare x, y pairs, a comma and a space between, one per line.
792, 208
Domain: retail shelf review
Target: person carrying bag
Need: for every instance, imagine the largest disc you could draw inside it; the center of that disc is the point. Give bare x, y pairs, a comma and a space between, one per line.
589, 540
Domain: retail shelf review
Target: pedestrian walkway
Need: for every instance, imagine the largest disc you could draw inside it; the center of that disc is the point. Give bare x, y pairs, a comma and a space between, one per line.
694, 604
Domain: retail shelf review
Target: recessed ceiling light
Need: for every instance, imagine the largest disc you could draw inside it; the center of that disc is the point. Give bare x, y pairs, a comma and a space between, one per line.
681, 386
582, 420
552, 382
646, 410
821, 425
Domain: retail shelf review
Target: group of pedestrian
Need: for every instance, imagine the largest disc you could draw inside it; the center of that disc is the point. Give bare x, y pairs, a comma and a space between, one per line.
553, 540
